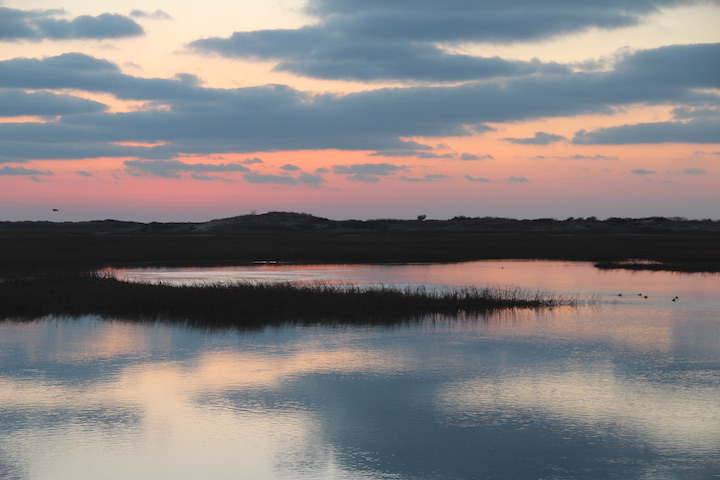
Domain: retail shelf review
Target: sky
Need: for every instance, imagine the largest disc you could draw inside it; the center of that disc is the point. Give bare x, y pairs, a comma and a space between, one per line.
178, 110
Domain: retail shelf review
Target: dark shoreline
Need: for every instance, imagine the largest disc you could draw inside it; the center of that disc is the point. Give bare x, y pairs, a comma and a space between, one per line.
655, 243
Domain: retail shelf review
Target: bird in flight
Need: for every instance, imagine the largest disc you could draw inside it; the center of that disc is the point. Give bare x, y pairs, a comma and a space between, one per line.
55, 210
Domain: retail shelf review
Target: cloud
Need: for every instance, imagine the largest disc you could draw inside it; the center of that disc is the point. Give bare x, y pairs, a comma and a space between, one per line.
700, 130
173, 168
470, 157
397, 40
78, 71
422, 154
477, 179
36, 25
199, 120
540, 138
311, 52
694, 171
252, 161
369, 169
363, 177
686, 113
479, 20
310, 179
16, 102
290, 168
520, 179
642, 171
22, 171
83, 173
413, 149
426, 178
209, 178
156, 15
253, 177
60, 146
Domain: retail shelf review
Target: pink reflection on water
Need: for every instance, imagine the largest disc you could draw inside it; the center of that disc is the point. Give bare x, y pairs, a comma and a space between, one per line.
563, 278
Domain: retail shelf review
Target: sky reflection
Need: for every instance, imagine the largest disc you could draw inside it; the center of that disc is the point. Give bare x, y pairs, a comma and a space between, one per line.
514, 395
563, 278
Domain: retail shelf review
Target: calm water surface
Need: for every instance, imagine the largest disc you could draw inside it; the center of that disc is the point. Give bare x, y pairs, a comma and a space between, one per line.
627, 387
579, 279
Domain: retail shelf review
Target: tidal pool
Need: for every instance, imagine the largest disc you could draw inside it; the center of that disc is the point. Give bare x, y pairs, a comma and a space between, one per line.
623, 388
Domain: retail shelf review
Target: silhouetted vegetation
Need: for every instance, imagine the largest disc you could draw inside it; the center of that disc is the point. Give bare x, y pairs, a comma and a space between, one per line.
673, 243
245, 304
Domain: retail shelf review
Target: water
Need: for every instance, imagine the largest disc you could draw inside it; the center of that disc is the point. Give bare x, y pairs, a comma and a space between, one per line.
579, 279
627, 387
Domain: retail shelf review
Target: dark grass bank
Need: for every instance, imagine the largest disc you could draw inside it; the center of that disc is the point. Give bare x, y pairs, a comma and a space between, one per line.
246, 304
659, 243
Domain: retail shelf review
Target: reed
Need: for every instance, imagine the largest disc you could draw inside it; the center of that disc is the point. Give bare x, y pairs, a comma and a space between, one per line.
247, 304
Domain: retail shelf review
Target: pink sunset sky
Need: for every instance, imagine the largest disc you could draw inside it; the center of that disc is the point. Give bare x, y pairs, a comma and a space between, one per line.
170, 110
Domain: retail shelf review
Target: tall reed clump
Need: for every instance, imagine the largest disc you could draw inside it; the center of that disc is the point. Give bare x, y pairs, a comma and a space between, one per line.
246, 303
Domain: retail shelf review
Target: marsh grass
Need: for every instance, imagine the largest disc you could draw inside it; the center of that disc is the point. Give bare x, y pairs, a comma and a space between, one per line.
248, 304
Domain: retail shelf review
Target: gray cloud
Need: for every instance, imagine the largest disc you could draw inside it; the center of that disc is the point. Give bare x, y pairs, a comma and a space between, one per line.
540, 138
520, 179
477, 179
16, 102
38, 25
700, 130
290, 168
156, 15
173, 168
466, 157
397, 40
426, 178
311, 52
694, 171
209, 178
685, 113
412, 149
642, 171
363, 177
59, 147
82, 72
479, 20
369, 169
253, 177
83, 173
252, 161
422, 154
198, 120
7, 170
310, 179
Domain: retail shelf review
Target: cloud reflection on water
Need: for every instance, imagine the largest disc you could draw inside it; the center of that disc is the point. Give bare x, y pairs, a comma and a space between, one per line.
617, 390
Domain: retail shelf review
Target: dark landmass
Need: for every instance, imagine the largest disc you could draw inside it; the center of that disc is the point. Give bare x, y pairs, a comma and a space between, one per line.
247, 305
49, 268
646, 243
